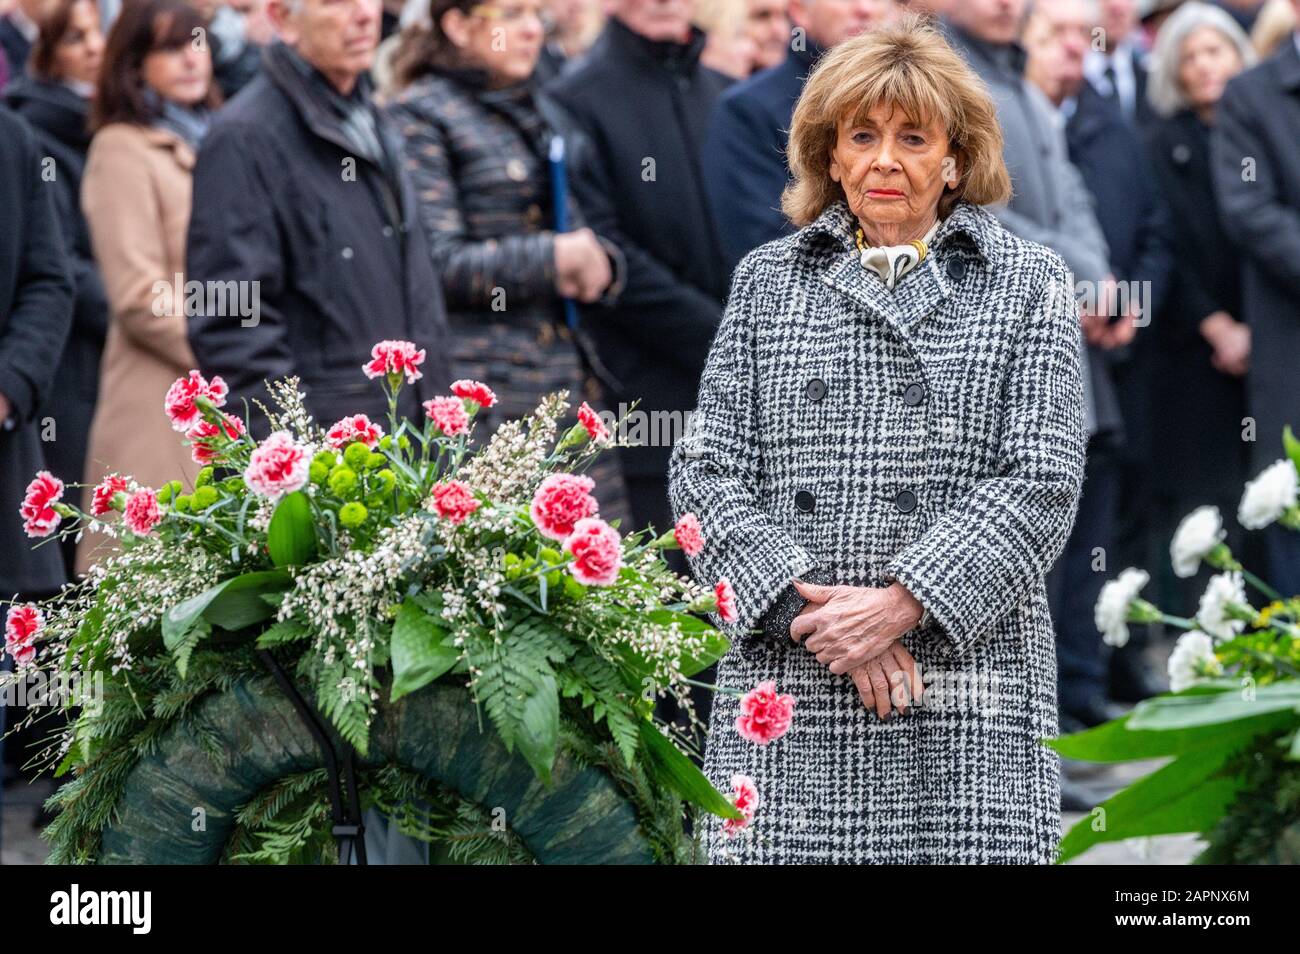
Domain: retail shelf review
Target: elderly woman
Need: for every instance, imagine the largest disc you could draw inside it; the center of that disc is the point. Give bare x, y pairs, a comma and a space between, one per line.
886, 459
1203, 347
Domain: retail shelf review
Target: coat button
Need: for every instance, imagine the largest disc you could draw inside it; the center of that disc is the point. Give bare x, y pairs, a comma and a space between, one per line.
956, 268
816, 389
516, 170
388, 231
913, 395
905, 501
347, 251
804, 501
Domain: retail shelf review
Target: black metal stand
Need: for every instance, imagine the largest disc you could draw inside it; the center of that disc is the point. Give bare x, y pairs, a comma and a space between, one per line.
348, 829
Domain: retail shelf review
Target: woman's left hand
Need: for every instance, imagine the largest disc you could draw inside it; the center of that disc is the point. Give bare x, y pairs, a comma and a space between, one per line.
847, 625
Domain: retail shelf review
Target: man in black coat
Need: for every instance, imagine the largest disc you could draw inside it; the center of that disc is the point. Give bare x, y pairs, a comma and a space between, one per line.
1258, 185
1132, 214
644, 100
35, 316
298, 191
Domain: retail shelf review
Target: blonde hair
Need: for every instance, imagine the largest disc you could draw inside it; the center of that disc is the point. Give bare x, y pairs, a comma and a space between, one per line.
910, 65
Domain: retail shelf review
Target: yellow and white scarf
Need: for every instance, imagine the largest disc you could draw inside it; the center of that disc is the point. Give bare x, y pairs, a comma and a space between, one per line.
892, 262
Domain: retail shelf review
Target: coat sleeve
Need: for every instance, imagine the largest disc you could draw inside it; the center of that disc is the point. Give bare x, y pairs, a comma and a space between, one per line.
744, 173
34, 332
657, 312
120, 201
234, 237
979, 559
717, 467
1255, 214
522, 264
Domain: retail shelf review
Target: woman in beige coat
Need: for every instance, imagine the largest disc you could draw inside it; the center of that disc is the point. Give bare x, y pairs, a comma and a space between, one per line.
154, 93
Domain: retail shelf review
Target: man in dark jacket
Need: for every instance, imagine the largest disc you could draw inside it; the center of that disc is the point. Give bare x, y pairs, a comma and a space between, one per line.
643, 98
1258, 186
35, 316
1110, 156
744, 158
57, 116
298, 191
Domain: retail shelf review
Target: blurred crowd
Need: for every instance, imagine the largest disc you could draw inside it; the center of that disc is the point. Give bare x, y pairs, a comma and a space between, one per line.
553, 194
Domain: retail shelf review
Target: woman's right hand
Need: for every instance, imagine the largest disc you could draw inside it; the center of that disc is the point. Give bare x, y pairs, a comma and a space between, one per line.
890, 679
582, 269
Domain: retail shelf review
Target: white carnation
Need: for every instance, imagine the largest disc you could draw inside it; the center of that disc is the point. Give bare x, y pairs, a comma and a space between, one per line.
1269, 495
1199, 533
1192, 659
1223, 589
1111, 613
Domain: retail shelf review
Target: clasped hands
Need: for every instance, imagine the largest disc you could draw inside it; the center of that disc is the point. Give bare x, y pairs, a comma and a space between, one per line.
855, 630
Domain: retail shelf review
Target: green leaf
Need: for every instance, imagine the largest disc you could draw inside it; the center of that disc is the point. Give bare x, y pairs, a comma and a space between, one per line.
1180, 797
185, 647
291, 536
670, 767
1174, 725
715, 643
538, 730
278, 634
421, 651
1292, 445
231, 604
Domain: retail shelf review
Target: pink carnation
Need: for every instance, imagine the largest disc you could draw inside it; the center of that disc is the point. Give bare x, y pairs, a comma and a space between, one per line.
395, 357
688, 534
560, 502
179, 403
475, 391
764, 716
448, 413
207, 439
597, 552
277, 467
591, 422
454, 500
744, 794
37, 509
354, 428
726, 597
142, 512
22, 625
101, 499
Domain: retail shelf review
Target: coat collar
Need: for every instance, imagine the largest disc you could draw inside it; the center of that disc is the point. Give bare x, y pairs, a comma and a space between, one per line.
968, 234
1287, 64
166, 139
837, 224
676, 58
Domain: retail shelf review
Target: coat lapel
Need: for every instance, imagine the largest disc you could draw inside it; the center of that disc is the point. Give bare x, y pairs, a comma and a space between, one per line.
924, 289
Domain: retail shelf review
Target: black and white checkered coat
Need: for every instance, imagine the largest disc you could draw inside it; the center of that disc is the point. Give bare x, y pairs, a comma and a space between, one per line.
931, 435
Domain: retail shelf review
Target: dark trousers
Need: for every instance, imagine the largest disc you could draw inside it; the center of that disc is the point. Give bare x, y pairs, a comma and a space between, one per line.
1075, 582
1283, 559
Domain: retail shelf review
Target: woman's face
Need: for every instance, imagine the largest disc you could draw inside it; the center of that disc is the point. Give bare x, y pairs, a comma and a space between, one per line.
1206, 62
503, 37
892, 168
81, 49
181, 74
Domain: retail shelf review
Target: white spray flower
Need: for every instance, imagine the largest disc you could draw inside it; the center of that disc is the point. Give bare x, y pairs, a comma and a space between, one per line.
1199, 533
1269, 495
1193, 659
1111, 613
1223, 591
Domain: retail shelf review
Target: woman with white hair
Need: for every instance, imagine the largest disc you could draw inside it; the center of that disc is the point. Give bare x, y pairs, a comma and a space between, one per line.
1203, 349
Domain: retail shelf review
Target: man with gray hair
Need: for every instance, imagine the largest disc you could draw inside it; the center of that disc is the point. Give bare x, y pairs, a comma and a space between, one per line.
299, 192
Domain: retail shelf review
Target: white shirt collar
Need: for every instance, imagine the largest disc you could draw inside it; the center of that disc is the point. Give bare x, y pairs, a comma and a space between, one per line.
24, 24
